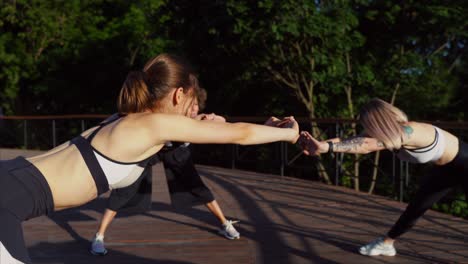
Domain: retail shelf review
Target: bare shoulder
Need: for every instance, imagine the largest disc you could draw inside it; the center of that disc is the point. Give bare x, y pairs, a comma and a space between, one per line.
418, 134
418, 124
136, 126
160, 126
418, 127
158, 117
408, 131
145, 120
129, 138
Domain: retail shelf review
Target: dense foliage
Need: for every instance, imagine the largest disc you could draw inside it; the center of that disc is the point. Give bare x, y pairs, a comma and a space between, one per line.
314, 58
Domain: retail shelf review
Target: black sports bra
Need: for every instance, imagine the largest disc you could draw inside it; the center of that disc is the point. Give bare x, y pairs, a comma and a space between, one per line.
90, 156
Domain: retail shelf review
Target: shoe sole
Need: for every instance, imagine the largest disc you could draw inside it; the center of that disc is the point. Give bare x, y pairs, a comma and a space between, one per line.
381, 254
227, 236
97, 253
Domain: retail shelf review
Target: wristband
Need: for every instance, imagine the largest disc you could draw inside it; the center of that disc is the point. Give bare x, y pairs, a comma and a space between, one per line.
330, 147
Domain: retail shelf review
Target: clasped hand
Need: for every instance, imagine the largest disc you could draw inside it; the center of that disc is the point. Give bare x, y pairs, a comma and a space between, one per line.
287, 122
310, 146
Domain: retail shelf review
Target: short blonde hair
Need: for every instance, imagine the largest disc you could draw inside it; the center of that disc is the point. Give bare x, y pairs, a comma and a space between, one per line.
383, 121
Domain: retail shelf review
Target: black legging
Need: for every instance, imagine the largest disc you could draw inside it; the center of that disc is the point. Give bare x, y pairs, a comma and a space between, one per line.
440, 181
185, 184
24, 194
11, 236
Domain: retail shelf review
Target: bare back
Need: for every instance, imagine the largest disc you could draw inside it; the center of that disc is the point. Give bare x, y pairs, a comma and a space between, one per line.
66, 172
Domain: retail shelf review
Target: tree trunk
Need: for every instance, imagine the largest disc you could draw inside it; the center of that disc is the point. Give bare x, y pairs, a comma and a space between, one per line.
374, 172
349, 99
322, 172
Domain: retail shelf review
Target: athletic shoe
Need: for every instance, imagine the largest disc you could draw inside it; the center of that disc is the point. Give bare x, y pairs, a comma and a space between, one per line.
97, 246
378, 247
229, 231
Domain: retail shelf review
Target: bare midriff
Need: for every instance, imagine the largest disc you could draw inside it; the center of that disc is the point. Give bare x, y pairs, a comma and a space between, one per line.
451, 149
68, 177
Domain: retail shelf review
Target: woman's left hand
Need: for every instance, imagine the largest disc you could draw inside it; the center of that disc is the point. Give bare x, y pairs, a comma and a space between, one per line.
310, 146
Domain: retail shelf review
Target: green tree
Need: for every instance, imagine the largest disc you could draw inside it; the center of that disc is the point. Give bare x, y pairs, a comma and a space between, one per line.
55, 52
412, 48
307, 47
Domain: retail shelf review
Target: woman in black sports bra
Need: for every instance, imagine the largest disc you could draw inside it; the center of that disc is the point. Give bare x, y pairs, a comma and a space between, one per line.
71, 174
387, 127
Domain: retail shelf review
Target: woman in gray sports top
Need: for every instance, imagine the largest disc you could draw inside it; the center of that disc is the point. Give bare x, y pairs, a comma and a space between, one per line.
387, 127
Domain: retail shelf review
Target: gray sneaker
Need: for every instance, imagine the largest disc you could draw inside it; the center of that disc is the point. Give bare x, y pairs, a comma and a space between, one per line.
228, 230
97, 246
378, 247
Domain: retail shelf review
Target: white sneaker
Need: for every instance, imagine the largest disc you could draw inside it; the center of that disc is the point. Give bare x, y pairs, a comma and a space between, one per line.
97, 246
378, 247
229, 231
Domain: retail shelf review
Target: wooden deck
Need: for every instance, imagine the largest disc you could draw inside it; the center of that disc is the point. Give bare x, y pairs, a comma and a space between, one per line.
283, 220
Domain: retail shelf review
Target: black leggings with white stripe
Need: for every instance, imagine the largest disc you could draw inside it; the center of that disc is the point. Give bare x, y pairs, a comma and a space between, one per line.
438, 183
24, 194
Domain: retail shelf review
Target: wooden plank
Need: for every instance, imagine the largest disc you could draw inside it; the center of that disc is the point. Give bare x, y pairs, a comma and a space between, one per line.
283, 220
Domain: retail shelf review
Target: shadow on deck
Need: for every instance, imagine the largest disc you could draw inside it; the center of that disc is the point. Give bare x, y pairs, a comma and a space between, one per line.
283, 220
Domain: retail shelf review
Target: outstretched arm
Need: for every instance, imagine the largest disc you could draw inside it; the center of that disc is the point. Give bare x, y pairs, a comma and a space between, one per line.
183, 129
356, 145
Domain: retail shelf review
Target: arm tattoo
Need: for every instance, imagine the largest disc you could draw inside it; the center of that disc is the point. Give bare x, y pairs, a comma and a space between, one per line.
351, 144
380, 144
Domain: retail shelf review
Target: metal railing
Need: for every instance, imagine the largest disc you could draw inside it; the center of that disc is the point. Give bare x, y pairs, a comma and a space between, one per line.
45, 132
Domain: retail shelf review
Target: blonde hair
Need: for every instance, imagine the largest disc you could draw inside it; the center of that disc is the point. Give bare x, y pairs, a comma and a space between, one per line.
142, 90
383, 121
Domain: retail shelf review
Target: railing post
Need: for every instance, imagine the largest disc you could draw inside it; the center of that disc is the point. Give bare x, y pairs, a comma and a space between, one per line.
282, 157
25, 132
233, 156
82, 125
407, 173
393, 169
337, 164
402, 186
54, 140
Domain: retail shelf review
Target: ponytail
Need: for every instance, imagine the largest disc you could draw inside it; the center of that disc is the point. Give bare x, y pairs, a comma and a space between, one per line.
135, 96
143, 90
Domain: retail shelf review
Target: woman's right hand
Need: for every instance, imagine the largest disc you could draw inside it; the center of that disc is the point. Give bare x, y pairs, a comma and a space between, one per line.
272, 121
210, 117
291, 123
287, 122
310, 146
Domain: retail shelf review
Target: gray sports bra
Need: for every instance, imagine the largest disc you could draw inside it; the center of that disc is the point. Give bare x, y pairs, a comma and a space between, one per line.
426, 154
